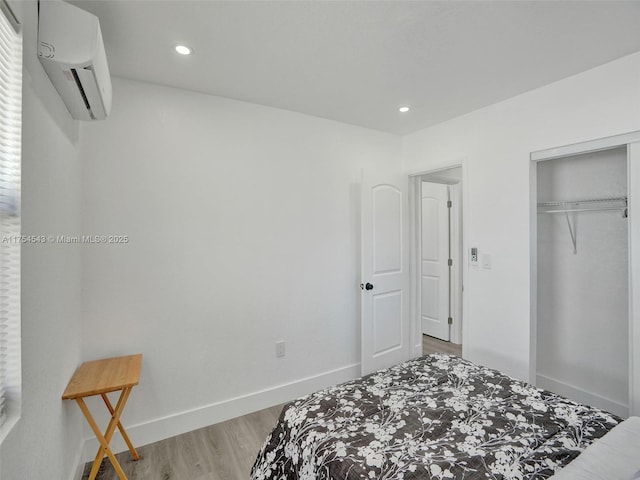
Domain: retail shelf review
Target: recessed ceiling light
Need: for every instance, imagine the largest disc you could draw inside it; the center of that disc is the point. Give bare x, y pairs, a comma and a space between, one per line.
183, 50
404, 109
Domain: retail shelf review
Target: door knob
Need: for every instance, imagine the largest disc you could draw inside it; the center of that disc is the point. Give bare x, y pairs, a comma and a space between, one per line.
368, 286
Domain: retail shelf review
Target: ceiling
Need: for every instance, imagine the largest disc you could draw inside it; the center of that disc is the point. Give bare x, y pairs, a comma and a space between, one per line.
358, 61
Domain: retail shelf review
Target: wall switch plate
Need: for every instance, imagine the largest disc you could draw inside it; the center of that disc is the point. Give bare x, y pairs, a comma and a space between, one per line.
474, 256
280, 349
486, 260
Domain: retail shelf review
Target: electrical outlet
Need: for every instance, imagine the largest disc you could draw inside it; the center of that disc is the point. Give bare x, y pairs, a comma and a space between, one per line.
280, 349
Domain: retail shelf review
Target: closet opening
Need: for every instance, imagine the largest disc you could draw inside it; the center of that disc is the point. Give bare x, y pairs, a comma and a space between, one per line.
582, 330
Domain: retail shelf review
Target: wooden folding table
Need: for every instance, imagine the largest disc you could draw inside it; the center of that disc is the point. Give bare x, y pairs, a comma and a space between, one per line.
100, 377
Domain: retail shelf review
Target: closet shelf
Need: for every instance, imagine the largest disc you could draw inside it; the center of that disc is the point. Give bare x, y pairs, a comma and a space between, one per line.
585, 205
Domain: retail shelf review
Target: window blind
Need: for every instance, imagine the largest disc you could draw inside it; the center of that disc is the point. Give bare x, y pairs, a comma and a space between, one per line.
10, 241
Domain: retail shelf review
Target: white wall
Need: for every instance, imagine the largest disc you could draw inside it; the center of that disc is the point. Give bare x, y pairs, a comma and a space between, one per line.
494, 144
583, 298
243, 226
46, 441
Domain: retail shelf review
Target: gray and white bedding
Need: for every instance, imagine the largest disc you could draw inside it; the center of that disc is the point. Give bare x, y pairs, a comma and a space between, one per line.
436, 417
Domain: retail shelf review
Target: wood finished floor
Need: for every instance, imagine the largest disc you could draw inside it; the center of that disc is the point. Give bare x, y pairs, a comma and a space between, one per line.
224, 451
434, 345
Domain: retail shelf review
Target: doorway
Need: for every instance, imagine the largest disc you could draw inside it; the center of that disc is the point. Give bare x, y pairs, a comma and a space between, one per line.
438, 260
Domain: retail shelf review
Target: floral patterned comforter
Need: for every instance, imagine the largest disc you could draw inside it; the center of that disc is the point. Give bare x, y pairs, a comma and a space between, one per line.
436, 417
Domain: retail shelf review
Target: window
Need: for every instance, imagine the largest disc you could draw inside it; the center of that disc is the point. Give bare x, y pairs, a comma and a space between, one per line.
10, 240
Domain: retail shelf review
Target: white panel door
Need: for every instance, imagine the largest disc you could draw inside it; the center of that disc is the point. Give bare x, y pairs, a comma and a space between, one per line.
385, 271
434, 250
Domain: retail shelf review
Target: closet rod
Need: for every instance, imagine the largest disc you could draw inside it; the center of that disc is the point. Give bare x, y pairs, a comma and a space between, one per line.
585, 205
570, 210
583, 201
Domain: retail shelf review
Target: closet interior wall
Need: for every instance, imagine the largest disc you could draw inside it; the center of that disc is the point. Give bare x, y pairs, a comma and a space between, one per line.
583, 297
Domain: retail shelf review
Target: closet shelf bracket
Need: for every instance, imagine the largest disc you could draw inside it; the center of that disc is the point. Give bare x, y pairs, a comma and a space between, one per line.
571, 232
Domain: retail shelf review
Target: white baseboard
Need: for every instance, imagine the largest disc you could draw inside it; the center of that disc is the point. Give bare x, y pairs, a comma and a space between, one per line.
580, 395
182, 422
79, 462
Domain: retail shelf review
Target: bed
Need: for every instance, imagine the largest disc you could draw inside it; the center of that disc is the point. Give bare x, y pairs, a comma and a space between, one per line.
435, 417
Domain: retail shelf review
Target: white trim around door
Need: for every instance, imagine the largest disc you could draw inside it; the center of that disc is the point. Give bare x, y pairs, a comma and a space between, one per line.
459, 332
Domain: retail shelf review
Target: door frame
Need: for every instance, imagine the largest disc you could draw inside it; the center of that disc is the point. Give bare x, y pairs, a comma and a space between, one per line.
414, 249
632, 143
457, 255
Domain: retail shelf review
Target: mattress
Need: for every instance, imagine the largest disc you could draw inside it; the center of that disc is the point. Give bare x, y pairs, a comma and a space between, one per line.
436, 417
615, 456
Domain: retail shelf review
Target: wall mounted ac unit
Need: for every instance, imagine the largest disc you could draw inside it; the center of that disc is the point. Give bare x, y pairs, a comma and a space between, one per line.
71, 51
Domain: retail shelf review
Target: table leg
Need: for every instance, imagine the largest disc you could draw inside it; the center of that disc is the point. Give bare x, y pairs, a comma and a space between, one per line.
134, 454
106, 438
